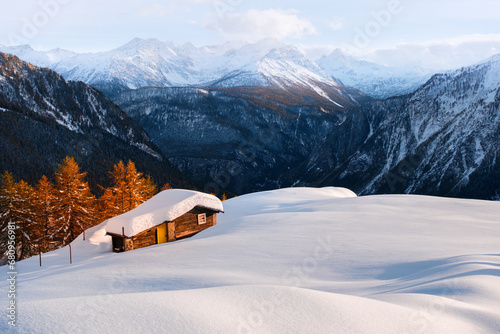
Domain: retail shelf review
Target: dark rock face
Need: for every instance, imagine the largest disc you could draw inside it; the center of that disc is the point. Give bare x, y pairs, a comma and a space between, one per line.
444, 140
45, 118
441, 140
242, 139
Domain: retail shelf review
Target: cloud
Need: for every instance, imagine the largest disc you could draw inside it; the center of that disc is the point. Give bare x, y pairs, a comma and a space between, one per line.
335, 25
314, 52
440, 54
155, 10
255, 25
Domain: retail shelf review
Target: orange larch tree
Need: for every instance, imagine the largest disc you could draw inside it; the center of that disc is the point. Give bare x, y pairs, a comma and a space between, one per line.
75, 204
16, 210
45, 199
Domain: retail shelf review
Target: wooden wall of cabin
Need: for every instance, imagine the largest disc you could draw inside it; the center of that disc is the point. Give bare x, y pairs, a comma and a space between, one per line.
184, 226
187, 224
144, 239
129, 244
121, 244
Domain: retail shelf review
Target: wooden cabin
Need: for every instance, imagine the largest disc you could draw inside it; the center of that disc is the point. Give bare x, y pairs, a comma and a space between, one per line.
169, 216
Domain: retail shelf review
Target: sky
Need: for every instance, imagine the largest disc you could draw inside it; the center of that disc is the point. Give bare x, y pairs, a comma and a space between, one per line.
373, 29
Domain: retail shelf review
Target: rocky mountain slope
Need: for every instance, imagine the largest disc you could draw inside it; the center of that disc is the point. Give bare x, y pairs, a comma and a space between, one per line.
44, 118
239, 139
444, 139
441, 140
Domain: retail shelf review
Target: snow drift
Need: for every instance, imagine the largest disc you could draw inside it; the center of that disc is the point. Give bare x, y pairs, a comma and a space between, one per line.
288, 261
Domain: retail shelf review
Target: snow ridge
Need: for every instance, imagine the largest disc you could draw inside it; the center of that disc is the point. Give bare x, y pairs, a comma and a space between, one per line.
285, 261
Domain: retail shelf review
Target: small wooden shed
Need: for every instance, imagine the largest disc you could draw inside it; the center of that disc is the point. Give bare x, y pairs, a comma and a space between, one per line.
169, 216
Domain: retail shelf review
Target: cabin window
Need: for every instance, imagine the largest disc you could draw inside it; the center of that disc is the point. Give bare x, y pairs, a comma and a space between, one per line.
202, 218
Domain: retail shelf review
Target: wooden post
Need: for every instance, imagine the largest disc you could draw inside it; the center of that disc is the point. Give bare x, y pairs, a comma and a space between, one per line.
83, 234
123, 239
70, 255
40, 254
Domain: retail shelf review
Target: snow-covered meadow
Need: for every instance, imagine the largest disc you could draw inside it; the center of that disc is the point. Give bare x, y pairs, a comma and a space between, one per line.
297, 260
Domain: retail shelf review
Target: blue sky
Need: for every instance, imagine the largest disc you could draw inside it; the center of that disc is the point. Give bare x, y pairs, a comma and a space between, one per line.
360, 25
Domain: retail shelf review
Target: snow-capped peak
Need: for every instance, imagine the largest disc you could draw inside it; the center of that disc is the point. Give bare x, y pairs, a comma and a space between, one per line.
150, 62
373, 79
146, 46
38, 58
490, 60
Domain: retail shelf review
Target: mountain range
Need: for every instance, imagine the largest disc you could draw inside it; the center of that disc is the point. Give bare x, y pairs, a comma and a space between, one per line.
269, 62
378, 81
246, 117
443, 139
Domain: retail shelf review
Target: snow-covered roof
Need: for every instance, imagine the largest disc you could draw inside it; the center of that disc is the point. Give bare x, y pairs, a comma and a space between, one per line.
165, 206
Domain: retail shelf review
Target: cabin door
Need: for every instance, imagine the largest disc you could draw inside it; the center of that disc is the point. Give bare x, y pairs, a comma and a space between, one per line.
161, 234
118, 244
